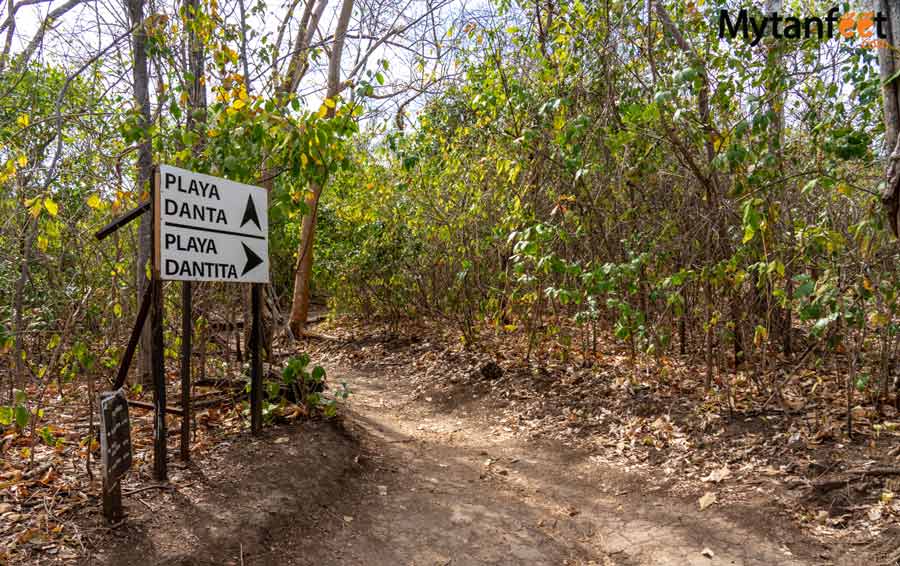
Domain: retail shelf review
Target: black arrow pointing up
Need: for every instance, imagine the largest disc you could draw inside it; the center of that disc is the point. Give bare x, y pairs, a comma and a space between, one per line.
252, 259
250, 214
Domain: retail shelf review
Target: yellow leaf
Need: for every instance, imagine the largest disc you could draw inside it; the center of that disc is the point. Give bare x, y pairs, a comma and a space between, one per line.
93, 201
329, 103
323, 110
22, 160
238, 104
867, 284
303, 159
8, 171
559, 121
878, 320
213, 133
708, 499
23, 120
51, 206
42, 243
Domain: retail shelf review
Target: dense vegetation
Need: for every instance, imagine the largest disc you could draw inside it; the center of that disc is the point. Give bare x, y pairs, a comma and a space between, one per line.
561, 172
592, 174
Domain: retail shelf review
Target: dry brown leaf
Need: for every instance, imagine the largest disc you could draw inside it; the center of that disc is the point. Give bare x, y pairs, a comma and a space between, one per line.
708, 499
718, 475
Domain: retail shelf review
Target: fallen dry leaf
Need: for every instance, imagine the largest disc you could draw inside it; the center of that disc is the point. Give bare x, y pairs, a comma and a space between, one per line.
718, 475
708, 499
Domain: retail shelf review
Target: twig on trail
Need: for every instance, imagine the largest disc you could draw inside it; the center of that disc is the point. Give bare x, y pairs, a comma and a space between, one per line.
148, 488
242, 554
35, 472
145, 504
318, 336
851, 475
149, 407
344, 523
876, 472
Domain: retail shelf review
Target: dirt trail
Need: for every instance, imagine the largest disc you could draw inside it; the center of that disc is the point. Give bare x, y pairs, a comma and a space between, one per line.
459, 494
402, 482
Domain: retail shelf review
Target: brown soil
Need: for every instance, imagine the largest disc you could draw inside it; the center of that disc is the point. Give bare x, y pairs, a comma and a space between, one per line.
402, 480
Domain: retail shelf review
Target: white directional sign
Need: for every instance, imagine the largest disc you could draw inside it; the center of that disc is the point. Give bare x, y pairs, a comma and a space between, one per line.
210, 229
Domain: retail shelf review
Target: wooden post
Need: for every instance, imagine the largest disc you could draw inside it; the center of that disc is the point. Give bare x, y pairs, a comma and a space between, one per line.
186, 331
115, 450
256, 360
122, 374
157, 358
112, 502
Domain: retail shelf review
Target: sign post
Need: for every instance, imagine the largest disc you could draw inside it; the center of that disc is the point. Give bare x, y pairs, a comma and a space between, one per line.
157, 357
256, 360
204, 229
115, 450
187, 329
213, 229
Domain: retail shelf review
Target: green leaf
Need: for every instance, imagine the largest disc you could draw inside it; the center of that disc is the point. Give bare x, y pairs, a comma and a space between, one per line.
804, 290
47, 436
22, 416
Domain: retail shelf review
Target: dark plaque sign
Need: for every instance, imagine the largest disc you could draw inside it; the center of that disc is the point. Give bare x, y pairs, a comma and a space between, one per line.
115, 436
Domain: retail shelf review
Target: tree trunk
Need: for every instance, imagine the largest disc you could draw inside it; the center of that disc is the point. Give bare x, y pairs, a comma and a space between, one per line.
300, 301
888, 63
31, 229
141, 78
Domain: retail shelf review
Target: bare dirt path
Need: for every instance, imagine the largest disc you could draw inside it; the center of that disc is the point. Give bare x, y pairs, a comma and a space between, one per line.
402, 482
453, 493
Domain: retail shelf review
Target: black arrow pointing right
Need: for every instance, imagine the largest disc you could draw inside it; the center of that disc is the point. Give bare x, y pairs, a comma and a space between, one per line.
252, 259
